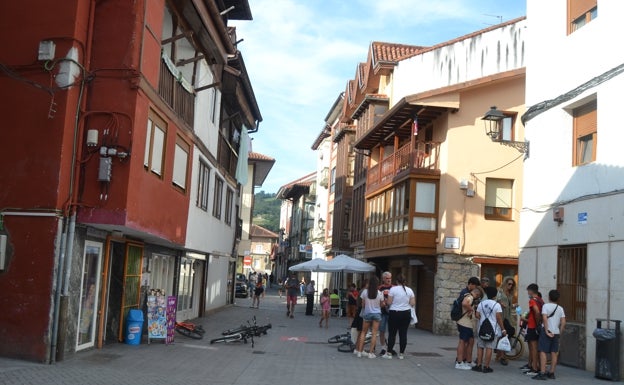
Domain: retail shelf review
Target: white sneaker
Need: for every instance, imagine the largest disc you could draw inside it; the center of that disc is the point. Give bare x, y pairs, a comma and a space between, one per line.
372, 355
387, 356
358, 354
459, 365
401, 356
467, 365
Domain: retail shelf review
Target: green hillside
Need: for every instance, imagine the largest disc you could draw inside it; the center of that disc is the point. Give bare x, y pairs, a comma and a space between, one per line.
266, 211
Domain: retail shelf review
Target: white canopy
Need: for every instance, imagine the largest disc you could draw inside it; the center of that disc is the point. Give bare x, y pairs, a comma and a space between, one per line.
346, 264
312, 265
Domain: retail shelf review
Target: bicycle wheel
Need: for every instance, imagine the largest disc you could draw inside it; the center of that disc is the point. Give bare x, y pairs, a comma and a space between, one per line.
517, 348
346, 347
230, 338
184, 331
340, 338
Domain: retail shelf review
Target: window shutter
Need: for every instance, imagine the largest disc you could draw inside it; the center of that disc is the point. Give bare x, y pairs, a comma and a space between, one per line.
576, 8
498, 193
585, 120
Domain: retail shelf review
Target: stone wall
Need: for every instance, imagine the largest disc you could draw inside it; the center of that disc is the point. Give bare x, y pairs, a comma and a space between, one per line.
452, 275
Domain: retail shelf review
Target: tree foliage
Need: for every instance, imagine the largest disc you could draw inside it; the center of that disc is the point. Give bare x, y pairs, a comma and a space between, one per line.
266, 211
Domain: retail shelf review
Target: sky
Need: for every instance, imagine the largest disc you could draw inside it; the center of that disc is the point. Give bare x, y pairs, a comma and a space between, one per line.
300, 54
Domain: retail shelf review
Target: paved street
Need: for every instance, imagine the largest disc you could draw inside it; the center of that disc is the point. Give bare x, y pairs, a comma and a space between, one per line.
294, 352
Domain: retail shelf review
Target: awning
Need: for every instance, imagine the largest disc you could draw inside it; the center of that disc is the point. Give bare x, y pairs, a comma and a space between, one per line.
398, 120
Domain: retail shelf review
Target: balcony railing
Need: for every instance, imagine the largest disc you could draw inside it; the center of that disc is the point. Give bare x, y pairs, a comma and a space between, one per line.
424, 158
175, 94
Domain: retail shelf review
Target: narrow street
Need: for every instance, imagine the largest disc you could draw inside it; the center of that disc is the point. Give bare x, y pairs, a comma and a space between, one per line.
295, 351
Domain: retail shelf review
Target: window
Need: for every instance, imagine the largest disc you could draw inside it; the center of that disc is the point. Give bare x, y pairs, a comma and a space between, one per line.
214, 106
332, 186
498, 198
572, 281
218, 198
581, 12
585, 133
229, 198
425, 218
180, 164
155, 144
202, 185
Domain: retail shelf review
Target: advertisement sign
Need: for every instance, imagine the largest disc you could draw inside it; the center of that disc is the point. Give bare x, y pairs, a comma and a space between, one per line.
172, 304
156, 315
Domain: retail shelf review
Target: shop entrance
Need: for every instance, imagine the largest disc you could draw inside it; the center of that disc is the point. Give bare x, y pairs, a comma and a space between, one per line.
123, 266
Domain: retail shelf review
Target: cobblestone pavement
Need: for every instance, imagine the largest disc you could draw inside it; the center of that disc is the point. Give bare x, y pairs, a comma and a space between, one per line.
295, 351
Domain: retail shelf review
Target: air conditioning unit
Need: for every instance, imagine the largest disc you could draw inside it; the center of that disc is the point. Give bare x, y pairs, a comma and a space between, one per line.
558, 214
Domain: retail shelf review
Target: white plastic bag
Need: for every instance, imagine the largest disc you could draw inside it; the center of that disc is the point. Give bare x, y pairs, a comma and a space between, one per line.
414, 319
504, 345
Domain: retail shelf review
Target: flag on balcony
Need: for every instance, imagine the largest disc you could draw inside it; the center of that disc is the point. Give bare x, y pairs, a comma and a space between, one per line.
415, 126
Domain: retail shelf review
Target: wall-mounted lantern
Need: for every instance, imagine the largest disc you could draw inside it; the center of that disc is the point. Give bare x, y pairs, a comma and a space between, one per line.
493, 120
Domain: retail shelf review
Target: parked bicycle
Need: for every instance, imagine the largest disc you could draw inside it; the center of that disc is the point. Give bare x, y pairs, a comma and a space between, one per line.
346, 345
517, 345
243, 333
189, 329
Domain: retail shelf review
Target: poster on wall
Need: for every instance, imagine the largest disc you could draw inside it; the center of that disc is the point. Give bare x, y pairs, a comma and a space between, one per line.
171, 317
156, 315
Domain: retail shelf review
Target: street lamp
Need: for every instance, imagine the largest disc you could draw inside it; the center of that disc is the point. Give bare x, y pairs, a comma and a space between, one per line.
493, 120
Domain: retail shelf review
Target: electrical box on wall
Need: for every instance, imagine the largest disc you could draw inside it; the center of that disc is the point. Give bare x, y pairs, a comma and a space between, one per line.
558, 214
46, 51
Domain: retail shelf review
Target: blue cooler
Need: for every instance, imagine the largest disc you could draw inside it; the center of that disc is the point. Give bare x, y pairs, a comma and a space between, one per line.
134, 327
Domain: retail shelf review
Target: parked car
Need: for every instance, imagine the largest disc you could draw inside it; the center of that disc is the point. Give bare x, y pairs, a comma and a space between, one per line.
241, 289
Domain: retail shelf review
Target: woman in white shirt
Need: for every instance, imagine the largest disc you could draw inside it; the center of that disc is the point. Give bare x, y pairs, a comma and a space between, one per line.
400, 301
371, 314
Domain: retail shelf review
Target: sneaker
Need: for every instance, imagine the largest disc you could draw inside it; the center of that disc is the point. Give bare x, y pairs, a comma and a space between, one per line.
487, 369
471, 364
503, 361
525, 368
540, 376
382, 352
372, 355
465, 366
387, 356
459, 365
477, 368
292, 316
551, 376
532, 373
358, 354
401, 356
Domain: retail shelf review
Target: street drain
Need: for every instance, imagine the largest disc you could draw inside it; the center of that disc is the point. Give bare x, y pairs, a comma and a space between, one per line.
425, 354
258, 352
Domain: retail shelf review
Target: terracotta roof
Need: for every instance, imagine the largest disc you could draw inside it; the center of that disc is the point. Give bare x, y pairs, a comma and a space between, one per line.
259, 156
261, 232
297, 186
392, 52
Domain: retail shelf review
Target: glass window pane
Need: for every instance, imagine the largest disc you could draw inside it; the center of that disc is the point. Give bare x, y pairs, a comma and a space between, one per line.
179, 166
424, 224
425, 197
498, 193
506, 129
148, 143
158, 150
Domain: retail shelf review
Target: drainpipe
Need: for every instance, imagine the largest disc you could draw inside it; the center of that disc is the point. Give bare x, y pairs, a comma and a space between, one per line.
59, 257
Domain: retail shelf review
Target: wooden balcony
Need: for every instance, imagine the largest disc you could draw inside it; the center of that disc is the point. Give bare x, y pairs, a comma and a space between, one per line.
424, 159
175, 94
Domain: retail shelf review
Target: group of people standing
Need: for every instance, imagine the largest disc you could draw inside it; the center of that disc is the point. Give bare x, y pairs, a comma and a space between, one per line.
481, 302
384, 306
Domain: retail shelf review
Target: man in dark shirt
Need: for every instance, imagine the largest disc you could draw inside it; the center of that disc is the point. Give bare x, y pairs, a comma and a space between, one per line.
292, 292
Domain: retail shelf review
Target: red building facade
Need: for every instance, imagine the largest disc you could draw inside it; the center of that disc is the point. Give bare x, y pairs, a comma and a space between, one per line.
98, 155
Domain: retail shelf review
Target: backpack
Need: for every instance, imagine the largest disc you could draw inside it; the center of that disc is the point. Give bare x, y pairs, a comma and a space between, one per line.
457, 311
486, 330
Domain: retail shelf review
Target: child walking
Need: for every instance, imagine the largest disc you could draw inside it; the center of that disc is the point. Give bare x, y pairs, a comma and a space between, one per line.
325, 306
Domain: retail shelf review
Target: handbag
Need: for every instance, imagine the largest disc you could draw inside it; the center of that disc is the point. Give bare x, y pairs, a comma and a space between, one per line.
504, 345
414, 319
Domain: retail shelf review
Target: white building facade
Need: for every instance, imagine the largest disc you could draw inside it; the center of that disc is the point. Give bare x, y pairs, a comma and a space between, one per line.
572, 222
